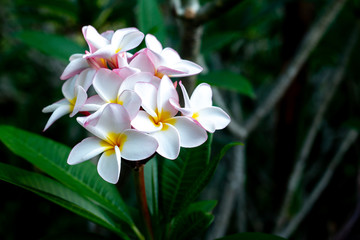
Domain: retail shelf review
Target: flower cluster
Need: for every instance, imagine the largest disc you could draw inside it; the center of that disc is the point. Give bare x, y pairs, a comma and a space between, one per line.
135, 111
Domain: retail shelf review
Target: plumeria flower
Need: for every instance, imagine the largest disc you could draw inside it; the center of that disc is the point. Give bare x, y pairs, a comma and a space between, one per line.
160, 121
107, 50
161, 61
199, 108
74, 91
107, 85
114, 139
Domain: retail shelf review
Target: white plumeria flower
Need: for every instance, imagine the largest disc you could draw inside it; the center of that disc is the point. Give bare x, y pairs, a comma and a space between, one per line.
199, 108
159, 120
161, 61
114, 139
108, 86
74, 91
107, 50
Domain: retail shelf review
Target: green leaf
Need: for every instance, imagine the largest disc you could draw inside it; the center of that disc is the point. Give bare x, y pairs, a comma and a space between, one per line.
51, 157
52, 45
151, 186
251, 236
204, 206
188, 226
228, 80
59, 194
150, 19
177, 176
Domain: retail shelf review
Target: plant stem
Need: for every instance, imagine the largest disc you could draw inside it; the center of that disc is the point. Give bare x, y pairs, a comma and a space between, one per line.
141, 197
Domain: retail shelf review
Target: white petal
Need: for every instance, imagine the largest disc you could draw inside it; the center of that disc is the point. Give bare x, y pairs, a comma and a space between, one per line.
131, 101
138, 145
109, 165
148, 95
191, 134
201, 97
170, 56
169, 141
81, 97
68, 88
185, 95
166, 92
113, 119
94, 39
93, 103
144, 122
106, 84
153, 44
56, 105
86, 149
105, 52
58, 113
74, 67
189, 68
213, 118
131, 40
130, 81
85, 78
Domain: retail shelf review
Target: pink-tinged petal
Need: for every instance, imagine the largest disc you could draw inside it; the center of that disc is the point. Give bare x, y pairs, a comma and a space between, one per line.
154, 57
169, 141
189, 68
109, 165
191, 134
185, 95
144, 122
113, 119
93, 38
130, 40
58, 113
105, 52
106, 84
125, 72
74, 67
170, 71
148, 95
131, 149
93, 103
85, 78
153, 44
201, 97
213, 118
120, 34
131, 101
143, 62
170, 56
81, 97
166, 92
129, 82
85, 150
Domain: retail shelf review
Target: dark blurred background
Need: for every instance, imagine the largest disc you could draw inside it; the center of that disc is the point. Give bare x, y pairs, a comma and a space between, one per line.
255, 39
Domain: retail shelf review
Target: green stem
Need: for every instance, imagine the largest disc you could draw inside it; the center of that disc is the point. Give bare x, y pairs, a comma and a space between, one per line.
141, 196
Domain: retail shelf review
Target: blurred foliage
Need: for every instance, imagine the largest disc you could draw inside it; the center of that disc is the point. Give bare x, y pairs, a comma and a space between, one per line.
245, 44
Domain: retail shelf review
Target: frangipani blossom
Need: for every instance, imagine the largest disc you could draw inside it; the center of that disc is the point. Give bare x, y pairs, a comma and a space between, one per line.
114, 139
159, 120
107, 85
107, 50
161, 61
199, 108
74, 91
